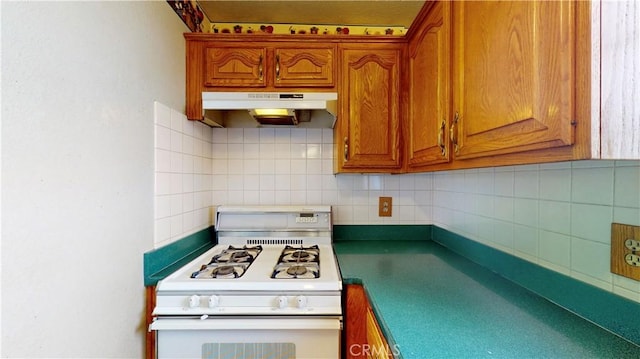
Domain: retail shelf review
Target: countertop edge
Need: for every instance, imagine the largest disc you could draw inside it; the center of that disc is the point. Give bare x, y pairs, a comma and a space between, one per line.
603, 308
161, 262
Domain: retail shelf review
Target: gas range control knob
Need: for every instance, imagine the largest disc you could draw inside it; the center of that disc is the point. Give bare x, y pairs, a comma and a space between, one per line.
194, 301
282, 302
214, 300
301, 301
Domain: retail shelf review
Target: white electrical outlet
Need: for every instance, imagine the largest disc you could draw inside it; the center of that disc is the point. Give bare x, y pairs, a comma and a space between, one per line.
632, 260
632, 244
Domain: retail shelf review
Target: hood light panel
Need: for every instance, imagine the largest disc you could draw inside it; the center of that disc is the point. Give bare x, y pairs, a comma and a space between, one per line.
272, 112
279, 116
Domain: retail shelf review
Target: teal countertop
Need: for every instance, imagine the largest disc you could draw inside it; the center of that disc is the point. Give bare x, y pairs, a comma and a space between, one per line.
434, 303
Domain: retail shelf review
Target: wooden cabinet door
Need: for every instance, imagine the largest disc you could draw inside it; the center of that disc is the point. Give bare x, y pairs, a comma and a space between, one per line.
355, 316
234, 67
368, 138
378, 347
514, 77
429, 89
304, 67
363, 336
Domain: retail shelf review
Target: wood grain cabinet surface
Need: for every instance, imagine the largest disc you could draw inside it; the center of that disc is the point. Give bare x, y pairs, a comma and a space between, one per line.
235, 66
472, 84
531, 82
304, 67
429, 86
513, 75
363, 336
367, 135
244, 65
255, 63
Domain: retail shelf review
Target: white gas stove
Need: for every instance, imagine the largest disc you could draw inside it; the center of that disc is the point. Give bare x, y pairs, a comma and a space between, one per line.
271, 280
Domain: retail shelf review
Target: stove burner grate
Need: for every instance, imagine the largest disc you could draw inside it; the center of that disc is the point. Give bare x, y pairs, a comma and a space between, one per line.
290, 254
300, 255
224, 271
237, 255
231, 263
298, 263
296, 271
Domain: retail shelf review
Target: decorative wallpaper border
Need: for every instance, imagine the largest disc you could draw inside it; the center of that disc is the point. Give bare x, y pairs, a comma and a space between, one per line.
191, 14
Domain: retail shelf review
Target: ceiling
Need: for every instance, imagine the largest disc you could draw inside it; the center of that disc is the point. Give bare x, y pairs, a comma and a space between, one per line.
380, 13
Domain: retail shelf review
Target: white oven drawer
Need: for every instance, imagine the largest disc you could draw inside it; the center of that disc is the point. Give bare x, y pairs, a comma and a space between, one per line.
244, 338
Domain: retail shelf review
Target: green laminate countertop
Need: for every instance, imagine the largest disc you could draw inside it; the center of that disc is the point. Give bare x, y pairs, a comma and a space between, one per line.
434, 303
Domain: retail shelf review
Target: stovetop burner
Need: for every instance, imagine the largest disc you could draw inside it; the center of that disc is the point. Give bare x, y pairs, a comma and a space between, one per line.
296, 270
237, 255
298, 263
232, 262
290, 254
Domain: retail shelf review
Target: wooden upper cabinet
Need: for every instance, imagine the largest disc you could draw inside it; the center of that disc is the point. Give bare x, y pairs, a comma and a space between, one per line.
235, 67
513, 76
256, 63
367, 135
308, 67
429, 78
268, 66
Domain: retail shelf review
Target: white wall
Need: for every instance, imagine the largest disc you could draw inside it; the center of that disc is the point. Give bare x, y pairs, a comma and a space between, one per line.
79, 80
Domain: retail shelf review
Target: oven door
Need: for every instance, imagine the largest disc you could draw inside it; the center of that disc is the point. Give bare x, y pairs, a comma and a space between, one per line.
248, 337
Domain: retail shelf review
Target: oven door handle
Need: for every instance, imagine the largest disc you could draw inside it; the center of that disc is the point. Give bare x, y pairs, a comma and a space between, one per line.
302, 323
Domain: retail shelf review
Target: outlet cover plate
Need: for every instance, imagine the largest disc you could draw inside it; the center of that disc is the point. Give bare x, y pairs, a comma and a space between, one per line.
385, 206
619, 234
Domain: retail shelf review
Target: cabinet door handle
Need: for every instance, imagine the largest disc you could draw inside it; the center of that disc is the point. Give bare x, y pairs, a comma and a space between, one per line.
260, 68
346, 149
278, 67
443, 149
453, 133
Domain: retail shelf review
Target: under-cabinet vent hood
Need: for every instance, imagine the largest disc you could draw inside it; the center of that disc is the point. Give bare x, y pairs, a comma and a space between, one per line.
272, 108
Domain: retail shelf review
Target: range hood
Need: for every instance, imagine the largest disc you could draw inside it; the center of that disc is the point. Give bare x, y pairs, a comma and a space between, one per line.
272, 108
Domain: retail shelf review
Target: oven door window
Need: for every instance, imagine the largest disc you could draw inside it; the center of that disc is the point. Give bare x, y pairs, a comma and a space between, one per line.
248, 350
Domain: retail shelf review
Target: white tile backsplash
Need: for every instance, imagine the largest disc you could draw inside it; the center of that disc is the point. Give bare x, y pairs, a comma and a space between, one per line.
627, 185
555, 183
562, 214
592, 185
557, 215
295, 166
555, 248
592, 222
183, 175
590, 258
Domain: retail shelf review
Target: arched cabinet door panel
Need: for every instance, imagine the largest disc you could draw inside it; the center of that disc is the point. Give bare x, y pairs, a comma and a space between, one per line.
367, 135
